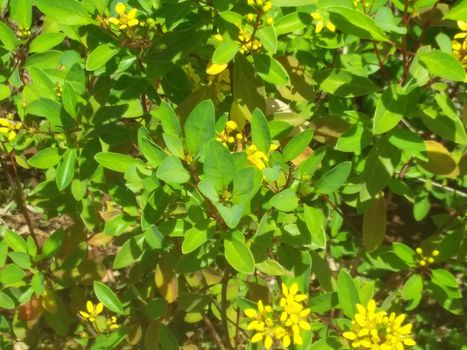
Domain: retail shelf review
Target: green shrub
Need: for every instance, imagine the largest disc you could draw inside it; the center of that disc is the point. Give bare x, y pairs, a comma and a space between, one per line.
220, 174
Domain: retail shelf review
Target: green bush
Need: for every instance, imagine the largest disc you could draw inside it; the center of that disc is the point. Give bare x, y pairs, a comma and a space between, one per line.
221, 174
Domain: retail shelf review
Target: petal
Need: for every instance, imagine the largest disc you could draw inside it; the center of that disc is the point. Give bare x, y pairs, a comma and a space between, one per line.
361, 309
409, 342
361, 320
305, 312
260, 306
268, 342
84, 314
133, 22
114, 20
316, 15
120, 8
462, 25
406, 329
251, 313
350, 335
132, 13
90, 307
286, 341
460, 35
331, 27
297, 339
99, 308
293, 289
11, 135
371, 305
285, 291
319, 27
398, 321
257, 337
304, 325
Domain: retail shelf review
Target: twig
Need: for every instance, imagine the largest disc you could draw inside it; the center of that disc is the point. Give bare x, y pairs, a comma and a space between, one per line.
380, 62
225, 324
212, 330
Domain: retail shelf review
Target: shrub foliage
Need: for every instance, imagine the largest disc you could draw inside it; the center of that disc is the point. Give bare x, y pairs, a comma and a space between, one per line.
233, 174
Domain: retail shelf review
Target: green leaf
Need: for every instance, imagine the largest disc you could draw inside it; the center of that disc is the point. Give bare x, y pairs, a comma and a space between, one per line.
174, 144
46, 41
45, 159
458, 12
200, 126
118, 225
11, 274
270, 70
407, 254
347, 293
334, 178
219, 166
194, 239
268, 37
315, 222
260, 131
100, 56
297, 145
390, 109
286, 200
52, 244
407, 140
8, 37
6, 302
271, 267
66, 169
292, 3
107, 297
442, 64
69, 99
444, 278
21, 12
239, 256
342, 83
356, 23
68, 12
292, 22
15, 241
129, 253
374, 223
412, 291
117, 161
231, 215
172, 171
225, 52
169, 119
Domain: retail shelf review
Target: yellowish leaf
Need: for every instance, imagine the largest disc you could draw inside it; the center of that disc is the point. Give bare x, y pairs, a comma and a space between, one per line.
440, 161
215, 69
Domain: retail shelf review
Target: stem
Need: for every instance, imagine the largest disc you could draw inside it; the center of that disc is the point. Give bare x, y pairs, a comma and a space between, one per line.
380, 62
225, 323
214, 334
15, 183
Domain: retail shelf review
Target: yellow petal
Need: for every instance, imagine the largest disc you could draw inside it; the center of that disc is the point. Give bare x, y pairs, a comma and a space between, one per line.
99, 308
462, 25
84, 314
409, 342
114, 20
132, 13
371, 306
268, 342
257, 337
90, 307
304, 325
251, 313
460, 35
331, 27
133, 22
316, 15
285, 290
293, 289
215, 69
297, 339
350, 335
319, 26
123, 26
120, 8
286, 341
11, 135
4, 130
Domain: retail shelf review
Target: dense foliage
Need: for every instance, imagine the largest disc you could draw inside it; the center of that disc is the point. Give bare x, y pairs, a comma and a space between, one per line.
233, 174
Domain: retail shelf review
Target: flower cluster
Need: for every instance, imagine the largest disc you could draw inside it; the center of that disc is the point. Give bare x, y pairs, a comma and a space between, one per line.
282, 325
321, 22
258, 158
98, 322
9, 127
125, 20
356, 3
230, 134
425, 260
459, 48
248, 43
23, 33
261, 7
376, 330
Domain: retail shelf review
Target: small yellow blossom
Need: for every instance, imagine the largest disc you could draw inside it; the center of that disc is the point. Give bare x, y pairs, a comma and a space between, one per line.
124, 20
92, 311
247, 42
463, 27
256, 157
218, 37
322, 22
250, 17
112, 323
9, 127
229, 135
374, 329
425, 260
269, 21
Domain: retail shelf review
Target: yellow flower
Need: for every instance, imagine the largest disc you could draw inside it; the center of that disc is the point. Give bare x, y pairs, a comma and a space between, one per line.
247, 42
262, 324
425, 260
9, 127
463, 27
373, 329
124, 20
92, 311
321, 22
256, 157
112, 323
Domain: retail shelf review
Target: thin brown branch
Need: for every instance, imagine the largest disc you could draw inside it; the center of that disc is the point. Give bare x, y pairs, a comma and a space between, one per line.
214, 334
